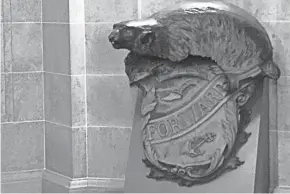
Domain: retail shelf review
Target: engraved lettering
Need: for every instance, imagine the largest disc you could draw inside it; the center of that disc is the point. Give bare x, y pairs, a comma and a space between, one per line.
214, 96
151, 131
204, 108
204, 105
197, 111
219, 89
188, 117
174, 125
163, 130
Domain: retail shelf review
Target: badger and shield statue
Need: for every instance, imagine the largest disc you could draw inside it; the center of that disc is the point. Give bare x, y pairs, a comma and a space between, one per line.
197, 63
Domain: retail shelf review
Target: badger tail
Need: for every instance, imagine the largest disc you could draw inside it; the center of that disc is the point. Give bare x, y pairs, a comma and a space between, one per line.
271, 70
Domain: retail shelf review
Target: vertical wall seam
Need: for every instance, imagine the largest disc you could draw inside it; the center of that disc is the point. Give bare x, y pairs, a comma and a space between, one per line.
1, 39
86, 103
11, 48
10, 10
70, 72
76, 17
83, 22
43, 89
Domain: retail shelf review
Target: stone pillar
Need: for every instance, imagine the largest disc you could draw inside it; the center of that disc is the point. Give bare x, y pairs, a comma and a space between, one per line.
203, 73
88, 115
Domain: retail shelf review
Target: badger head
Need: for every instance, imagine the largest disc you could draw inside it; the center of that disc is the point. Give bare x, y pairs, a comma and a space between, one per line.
136, 36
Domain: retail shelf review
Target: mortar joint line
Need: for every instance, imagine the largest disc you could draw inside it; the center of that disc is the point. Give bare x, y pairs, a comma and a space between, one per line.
43, 77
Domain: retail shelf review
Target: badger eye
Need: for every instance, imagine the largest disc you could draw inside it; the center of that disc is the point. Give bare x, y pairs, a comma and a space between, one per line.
128, 33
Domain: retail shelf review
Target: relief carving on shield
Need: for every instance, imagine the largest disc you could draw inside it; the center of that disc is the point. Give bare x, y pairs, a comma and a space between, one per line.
197, 63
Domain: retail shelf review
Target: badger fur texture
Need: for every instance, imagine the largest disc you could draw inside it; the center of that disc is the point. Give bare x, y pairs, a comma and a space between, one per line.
215, 29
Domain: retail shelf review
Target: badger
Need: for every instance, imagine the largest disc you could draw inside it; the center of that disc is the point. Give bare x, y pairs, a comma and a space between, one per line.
231, 37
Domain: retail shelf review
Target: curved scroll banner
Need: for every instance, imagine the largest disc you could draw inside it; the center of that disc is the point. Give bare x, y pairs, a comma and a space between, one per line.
197, 63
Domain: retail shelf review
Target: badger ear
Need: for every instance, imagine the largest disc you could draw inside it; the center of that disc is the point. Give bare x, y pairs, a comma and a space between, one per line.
146, 36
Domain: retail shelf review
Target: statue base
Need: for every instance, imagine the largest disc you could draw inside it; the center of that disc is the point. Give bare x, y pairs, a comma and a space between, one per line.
241, 180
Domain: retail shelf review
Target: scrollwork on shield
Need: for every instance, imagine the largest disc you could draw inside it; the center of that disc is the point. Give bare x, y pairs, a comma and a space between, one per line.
191, 137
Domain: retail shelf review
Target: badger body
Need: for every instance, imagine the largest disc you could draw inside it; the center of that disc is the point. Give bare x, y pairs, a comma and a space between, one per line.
215, 29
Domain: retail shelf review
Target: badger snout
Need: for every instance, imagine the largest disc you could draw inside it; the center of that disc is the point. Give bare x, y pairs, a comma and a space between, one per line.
114, 39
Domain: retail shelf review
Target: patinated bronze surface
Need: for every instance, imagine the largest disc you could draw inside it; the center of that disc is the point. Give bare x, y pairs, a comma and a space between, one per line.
198, 64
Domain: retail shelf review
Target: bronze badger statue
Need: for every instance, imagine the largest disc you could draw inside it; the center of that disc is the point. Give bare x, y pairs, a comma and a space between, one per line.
225, 33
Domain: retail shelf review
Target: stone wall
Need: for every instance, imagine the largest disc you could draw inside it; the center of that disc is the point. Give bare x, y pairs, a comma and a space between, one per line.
22, 104
65, 100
